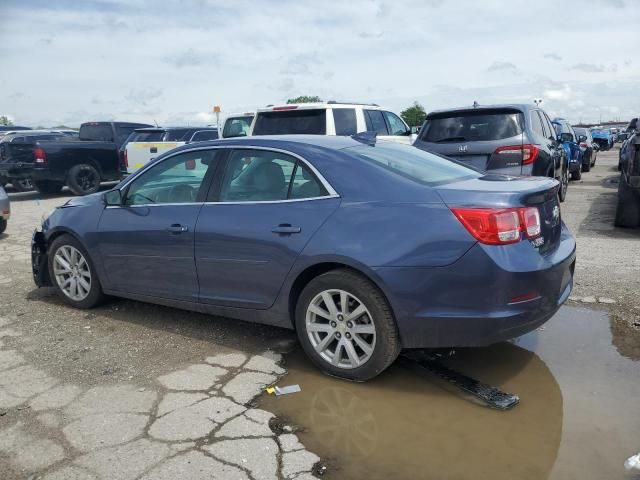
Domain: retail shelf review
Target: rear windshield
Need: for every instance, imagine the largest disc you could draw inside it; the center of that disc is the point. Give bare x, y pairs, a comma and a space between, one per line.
410, 162
472, 126
284, 122
237, 126
96, 133
177, 134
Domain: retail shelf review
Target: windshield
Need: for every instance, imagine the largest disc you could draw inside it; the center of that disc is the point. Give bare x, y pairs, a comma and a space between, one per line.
472, 126
410, 162
284, 122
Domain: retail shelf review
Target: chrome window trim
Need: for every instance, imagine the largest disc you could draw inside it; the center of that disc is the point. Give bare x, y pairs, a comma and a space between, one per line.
331, 191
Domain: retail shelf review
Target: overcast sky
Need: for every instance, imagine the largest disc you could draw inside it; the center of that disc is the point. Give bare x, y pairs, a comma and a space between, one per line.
69, 61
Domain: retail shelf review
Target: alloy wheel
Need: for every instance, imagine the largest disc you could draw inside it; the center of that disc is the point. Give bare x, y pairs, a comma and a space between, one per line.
87, 179
340, 329
72, 273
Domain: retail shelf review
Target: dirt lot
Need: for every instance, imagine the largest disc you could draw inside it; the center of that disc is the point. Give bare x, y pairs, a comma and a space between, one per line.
131, 390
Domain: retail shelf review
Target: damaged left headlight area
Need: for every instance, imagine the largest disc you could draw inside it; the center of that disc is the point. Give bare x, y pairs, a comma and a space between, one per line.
39, 264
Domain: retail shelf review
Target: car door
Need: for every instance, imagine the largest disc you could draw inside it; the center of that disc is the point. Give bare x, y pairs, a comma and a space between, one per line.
146, 244
266, 207
398, 130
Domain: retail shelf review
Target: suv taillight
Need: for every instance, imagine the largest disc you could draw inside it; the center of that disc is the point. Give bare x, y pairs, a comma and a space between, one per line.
529, 152
40, 155
500, 226
124, 159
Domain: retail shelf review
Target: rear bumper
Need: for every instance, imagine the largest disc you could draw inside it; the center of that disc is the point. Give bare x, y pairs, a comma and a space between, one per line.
473, 302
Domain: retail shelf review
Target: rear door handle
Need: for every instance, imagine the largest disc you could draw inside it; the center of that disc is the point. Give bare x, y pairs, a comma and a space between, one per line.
286, 228
177, 228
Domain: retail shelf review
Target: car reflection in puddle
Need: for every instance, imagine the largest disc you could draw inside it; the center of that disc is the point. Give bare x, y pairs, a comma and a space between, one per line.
579, 416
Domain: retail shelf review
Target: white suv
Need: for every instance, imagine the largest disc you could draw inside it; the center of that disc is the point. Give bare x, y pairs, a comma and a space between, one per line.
331, 118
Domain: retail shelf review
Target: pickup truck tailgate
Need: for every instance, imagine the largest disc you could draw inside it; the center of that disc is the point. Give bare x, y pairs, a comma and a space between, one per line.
138, 154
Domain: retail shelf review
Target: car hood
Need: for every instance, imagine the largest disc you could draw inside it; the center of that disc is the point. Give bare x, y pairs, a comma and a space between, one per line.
87, 200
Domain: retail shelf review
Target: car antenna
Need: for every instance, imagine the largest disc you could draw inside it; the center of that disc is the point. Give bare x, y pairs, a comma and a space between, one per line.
368, 138
154, 121
475, 104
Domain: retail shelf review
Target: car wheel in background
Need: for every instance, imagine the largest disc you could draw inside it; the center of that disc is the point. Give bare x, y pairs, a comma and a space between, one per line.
83, 179
22, 184
577, 174
47, 187
346, 326
564, 184
3, 225
594, 155
586, 166
72, 273
627, 209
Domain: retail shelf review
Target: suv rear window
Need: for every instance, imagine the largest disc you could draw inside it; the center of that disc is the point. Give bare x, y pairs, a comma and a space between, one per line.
284, 122
177, 134
472, 126
410, 162
96, 133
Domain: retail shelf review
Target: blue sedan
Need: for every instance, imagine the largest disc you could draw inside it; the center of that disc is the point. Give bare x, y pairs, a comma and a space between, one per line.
363, 247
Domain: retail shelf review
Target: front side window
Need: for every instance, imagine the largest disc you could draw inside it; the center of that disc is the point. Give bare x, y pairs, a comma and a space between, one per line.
396, 126
345, 121
375, 122
178, 179
264, 175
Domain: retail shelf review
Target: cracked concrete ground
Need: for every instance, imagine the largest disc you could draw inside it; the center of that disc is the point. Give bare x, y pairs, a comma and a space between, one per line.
131, 390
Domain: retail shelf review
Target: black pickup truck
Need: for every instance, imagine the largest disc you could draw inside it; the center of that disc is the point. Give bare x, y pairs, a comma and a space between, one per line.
81, 163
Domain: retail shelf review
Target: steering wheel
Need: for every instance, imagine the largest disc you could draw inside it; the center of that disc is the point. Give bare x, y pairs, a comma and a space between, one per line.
182, 193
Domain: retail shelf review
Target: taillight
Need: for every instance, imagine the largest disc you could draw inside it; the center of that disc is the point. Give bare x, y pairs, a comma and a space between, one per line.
285, 107
529, 152
500, 226
583, 144
40, 155
124, 159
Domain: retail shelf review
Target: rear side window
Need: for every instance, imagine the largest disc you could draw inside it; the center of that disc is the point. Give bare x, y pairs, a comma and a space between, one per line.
345, 121
410, 162
97, 133
284, 122
473, 126
203, 135
536, 123
375, 122
396, 126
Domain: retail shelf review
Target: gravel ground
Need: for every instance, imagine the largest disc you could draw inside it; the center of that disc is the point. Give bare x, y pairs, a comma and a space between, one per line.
131, 390
608, 257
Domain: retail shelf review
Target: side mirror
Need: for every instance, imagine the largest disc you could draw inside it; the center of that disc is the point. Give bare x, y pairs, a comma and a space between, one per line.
566, 137
113, 198
582, 138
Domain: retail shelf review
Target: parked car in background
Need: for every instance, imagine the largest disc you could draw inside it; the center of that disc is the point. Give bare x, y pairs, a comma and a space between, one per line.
237, 125
628, 206
145, 144
629, 131
603, 138
586, 143
569, 141
16, 148
331, 118
5, 210
4, 129
501, 139
80, 163
365, 247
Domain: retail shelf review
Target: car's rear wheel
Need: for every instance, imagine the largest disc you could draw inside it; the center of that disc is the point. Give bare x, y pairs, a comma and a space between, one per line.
576, 174
22, 184
627, 209
48, 187
73, 275
586, 166
3, 225
346, 326
83, 179
564, 183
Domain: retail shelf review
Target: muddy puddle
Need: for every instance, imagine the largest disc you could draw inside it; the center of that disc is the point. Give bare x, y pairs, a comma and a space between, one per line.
579, 415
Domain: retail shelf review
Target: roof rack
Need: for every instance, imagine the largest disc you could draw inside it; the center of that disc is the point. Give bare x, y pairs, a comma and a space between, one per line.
333, 102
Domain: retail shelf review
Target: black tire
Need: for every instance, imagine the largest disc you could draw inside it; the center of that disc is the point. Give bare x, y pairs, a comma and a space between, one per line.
576, 175
95, 295
22, 184
3, 225
586, 166
83, 179
387, 340
564, 184
594, 155
627, 208
47, 187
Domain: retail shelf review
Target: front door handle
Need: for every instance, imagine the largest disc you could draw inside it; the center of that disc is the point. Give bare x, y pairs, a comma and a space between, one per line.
286, 229
177, 228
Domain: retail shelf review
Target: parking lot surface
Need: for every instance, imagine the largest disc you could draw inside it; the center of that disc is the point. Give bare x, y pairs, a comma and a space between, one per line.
130, 390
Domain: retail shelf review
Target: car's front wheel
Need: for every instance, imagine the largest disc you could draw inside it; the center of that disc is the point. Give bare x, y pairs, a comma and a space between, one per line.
346, 326
564, 183
73, 275
83, 179
628, 208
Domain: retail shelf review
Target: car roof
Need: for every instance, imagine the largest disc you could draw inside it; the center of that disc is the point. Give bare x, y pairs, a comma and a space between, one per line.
514, 106
293, 142
317, 106
168, 129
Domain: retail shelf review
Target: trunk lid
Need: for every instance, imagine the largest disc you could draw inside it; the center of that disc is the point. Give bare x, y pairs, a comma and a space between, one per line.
499, 191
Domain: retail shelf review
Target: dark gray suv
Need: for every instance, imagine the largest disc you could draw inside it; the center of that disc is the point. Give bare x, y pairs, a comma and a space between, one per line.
503, 139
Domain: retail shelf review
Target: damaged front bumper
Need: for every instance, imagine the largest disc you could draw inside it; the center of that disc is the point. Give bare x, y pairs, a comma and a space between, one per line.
39, 261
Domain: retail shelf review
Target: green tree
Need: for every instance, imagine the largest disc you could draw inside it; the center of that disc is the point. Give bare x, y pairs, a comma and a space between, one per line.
305, 99
414, 115
4, 120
